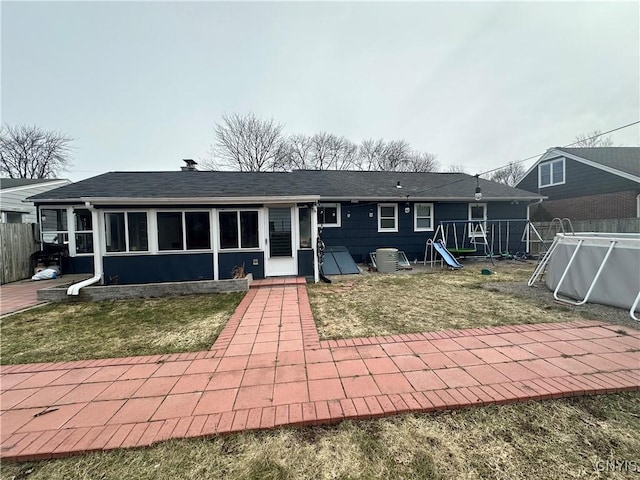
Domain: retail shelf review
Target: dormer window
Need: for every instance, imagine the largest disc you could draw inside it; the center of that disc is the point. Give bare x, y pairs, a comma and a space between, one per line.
551, 173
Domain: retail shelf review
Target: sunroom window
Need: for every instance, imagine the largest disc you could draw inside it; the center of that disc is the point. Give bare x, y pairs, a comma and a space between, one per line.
126, 231
238, 229
53, 222
184, 231
83, 230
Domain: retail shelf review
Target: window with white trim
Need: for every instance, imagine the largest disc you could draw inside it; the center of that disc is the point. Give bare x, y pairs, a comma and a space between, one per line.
551, 173
83, 225
387, 217
477, 219
126, 232
184, 230
54, 225
329, 215
238, 229
304, 226
423, 217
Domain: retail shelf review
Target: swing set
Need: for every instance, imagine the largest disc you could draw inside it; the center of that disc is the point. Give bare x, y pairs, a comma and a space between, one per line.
486, 238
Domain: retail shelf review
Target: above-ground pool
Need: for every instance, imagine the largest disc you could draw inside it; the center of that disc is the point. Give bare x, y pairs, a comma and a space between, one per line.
596, 267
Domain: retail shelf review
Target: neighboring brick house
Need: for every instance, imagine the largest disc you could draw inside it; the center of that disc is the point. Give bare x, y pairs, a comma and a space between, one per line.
586, 183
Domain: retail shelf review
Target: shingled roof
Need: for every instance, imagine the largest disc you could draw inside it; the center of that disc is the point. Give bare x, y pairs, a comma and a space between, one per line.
624, 159
6, 183
329, 185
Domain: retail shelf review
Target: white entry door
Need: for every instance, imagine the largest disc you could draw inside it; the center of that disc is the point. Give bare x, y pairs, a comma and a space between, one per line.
281, 251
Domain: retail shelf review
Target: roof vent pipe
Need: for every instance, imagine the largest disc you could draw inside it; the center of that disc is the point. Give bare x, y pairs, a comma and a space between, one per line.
190, 165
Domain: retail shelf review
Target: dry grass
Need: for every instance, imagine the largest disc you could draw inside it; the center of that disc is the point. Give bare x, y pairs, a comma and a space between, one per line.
535, 440
62, 332
374, 304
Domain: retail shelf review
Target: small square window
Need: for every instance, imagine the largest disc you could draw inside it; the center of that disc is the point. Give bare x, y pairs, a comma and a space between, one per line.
387, 217
423, 217
329, 215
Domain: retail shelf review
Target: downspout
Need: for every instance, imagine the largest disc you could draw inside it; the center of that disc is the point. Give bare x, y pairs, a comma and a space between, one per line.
314, 242
529, 220
74, 289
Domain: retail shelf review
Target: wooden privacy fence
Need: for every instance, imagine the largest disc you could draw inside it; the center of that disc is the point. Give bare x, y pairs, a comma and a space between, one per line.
611, 225
18, 242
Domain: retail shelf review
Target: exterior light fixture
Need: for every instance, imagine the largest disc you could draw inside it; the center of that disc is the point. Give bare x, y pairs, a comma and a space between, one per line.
478, 195
407, 208
371, 213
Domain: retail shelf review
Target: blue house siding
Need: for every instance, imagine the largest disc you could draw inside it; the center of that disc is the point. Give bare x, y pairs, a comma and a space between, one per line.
305, 263
359, 232
157, 268
580, 180
227, 261
82, 264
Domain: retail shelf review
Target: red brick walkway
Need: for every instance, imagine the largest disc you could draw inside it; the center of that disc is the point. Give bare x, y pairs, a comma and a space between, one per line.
18, 296
268, 368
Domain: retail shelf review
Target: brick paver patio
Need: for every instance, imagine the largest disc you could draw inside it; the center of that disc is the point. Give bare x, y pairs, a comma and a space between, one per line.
20, 295
268, 368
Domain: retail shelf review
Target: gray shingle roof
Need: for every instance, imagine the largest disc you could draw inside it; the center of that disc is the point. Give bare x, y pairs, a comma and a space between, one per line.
21, 182
326, 184
625, 159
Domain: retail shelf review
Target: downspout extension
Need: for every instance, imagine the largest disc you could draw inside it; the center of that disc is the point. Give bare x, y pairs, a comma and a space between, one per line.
74, 290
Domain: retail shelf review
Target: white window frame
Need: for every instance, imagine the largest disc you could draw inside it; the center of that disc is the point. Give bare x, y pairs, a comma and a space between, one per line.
68, 232
551, 164
75, 246
338, 215
127, 250
395, 218
183, 217
473, 221
239, 248
415, 217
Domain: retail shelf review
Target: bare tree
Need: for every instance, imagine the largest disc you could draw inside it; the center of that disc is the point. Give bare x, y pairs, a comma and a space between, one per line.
509, 175
592, 139
422, 162
299, 152
248, 144
371, 152
455, 169
32, 152
394, 156
322, 151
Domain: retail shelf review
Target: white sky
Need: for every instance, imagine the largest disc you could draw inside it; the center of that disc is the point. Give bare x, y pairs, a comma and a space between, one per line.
140, 85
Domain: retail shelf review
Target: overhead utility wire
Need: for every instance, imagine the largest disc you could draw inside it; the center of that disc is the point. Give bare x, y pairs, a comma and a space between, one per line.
564, 146
524, 159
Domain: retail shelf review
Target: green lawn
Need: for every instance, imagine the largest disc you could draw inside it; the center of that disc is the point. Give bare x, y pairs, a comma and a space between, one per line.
84, 330
535, 440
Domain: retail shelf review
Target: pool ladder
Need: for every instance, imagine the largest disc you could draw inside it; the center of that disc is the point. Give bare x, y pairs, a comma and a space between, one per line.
559, 223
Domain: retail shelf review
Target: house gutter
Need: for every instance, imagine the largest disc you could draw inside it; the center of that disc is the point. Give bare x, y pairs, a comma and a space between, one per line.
74, 290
